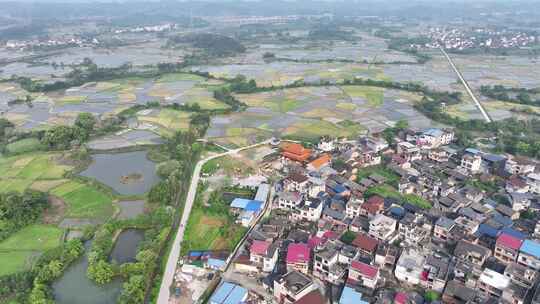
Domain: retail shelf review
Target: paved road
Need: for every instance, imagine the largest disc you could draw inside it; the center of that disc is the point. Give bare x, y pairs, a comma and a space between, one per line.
174, 255
466, 85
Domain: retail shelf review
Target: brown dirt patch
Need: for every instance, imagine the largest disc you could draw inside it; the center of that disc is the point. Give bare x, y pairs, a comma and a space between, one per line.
56, 211
211, 221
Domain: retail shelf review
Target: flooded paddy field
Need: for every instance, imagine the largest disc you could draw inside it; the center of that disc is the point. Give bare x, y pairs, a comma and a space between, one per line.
117, 171
512, 71
311, 112
104, 98
125, 139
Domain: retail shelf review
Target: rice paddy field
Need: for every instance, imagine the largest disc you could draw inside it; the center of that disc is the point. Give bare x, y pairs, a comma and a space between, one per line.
105, 98
21, 248
30, 171
312, 112
84, 201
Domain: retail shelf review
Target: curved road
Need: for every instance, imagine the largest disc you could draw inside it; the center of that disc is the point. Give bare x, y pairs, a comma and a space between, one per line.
174, 255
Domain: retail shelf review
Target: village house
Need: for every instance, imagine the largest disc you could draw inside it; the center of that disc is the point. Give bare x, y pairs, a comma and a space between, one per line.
353, 207
435, 273
289, 200
438, 155
363, 275
295, 152
507, 248
442, 228
529, 254
298, 257
264, 255
520, 166
470, 252
372, 207
517, 184
386, 255
514, 294
409, 267
322, 161
414, 228
471, 162
382, 227
324, 259
296, 182
408, 151
521, 275
434, 138
374, 143
492, 283
292, 287
366, 244
310, 210
326, 144
457, 293
533, 180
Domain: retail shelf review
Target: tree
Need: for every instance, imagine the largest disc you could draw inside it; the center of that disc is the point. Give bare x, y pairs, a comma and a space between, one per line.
133, 291
100, 272
86, 121
402, 124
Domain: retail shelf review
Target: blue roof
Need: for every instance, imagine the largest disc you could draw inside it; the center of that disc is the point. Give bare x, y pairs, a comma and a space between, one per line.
196, 253
531, 248
338, 188
228, 293
488, 230
240, 203
351, 296
513, 232
397, 210
472, 150
503, 220
433, 132
215, 263
253, 206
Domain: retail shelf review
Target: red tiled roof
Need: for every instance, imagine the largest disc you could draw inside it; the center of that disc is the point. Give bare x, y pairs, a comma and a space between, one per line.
508, 241
365, 269
517, 182
321, 161
298, 253
330, 235
259, 247
313, 297
315, 241
401, 298
295, 151
365, 242
375, 200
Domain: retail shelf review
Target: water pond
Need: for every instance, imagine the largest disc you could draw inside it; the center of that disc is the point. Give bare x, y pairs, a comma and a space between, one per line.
129, 173
125, 247
75, 288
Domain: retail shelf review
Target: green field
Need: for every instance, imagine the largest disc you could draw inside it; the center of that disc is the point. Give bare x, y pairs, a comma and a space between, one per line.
19, 172
17, 250
168, 120
373, 95
84, 201
315, 129
211, 227
23, 146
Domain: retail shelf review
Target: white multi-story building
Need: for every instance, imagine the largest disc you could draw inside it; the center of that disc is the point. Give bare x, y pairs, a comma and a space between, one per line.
382, 227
